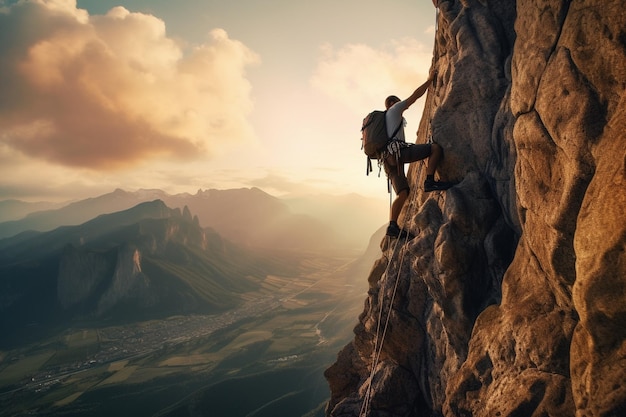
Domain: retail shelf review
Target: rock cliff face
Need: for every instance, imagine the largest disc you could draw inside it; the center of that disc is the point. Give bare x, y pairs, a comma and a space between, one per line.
109, 277
511, 299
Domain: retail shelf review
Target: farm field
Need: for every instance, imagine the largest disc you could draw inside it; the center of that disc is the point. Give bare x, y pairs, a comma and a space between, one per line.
265, 358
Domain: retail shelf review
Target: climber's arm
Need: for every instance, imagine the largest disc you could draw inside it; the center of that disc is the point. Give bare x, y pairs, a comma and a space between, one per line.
419, 92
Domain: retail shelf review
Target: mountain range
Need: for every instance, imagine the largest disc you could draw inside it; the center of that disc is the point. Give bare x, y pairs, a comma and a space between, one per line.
16, 209
149, 261
247, 216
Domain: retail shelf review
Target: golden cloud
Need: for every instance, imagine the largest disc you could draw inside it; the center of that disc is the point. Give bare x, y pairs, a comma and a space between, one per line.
358, 73
106, 91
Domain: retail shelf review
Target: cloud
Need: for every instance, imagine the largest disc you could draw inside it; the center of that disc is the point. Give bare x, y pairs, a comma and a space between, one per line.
108, 91
357, 73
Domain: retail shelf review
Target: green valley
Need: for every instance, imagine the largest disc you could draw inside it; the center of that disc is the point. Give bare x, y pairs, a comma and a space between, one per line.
264, 358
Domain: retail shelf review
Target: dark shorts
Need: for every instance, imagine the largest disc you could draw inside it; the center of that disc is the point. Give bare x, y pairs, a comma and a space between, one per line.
413, 152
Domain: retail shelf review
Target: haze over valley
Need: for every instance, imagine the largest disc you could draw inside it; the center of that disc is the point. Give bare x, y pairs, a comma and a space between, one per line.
172, 303
247, 216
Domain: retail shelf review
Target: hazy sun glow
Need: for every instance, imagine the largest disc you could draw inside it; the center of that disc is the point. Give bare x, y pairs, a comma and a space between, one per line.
98, 95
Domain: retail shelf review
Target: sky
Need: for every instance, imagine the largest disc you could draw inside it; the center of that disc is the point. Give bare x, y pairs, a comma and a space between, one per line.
198, 94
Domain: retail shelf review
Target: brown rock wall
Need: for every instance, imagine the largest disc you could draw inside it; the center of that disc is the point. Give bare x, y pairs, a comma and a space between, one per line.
511, 300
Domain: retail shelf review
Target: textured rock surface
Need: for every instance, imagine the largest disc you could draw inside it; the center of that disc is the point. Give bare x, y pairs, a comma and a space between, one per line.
114, 276
511, 300
80, 273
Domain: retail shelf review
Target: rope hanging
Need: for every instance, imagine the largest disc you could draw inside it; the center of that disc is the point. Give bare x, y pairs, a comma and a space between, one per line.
378, 346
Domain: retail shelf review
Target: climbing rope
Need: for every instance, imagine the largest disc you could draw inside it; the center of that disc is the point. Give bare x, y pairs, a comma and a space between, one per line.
379, 341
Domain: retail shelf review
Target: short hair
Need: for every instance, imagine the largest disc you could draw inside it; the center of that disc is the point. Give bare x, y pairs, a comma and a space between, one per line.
391, 100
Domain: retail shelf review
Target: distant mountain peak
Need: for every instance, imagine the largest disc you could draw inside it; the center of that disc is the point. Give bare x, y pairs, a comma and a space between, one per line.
146, 260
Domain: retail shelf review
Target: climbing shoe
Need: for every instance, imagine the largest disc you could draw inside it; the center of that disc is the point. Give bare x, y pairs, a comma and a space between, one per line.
393, 230
432, 185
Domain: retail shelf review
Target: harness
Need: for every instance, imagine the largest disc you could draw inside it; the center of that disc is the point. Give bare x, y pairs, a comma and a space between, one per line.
393, 149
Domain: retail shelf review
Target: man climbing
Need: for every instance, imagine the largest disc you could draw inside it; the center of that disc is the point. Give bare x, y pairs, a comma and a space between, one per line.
399, 152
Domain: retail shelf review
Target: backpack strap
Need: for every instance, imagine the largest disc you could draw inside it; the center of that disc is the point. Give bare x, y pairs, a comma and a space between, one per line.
368, 167
393, 135
395, 132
